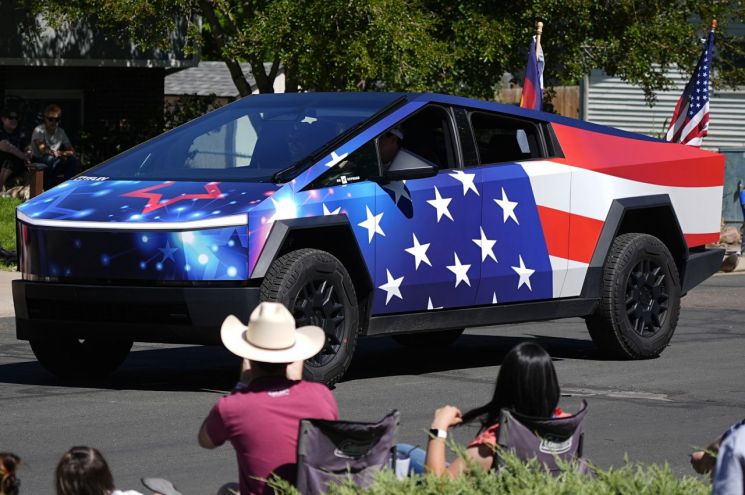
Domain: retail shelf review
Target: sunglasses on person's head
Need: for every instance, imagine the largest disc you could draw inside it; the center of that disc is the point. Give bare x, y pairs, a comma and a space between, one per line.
52, 119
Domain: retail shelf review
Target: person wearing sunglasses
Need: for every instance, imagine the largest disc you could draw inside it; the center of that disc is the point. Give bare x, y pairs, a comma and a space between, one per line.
12, 143
51, 146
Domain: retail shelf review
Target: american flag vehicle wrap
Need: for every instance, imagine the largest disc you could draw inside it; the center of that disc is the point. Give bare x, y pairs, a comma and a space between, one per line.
477, 235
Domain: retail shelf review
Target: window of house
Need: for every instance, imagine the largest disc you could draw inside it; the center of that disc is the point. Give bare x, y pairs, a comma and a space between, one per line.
505, 139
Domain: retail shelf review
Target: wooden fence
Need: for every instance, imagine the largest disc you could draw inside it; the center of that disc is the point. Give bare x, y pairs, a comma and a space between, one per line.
565, 101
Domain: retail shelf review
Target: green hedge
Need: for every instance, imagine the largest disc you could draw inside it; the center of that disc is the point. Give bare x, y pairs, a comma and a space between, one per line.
527, 479
8, 223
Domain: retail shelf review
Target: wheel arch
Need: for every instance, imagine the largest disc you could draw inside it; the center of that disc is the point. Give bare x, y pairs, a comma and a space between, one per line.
333, 234
653, 215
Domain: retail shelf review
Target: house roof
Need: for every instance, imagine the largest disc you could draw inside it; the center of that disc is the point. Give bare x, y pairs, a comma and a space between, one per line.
208, 78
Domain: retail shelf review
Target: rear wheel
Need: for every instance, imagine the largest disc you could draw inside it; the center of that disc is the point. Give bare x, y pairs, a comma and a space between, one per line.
429, 339
317, 289
80, 359
640, 298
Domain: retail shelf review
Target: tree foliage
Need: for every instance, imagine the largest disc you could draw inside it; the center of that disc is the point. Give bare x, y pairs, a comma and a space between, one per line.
459, 47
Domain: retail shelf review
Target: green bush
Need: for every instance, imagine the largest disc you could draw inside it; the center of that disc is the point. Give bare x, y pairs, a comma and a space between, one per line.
8, 227
517, 478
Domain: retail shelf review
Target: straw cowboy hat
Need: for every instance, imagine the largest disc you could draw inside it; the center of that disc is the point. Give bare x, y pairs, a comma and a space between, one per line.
271, 336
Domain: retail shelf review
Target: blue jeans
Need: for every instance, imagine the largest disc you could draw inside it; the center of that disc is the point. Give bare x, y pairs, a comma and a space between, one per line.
58, 169
416, 454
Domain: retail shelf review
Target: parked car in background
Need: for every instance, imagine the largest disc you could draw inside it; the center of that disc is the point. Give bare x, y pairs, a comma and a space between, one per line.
368, 214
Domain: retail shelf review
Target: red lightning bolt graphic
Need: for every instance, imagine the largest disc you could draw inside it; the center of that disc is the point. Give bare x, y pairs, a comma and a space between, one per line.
155, 202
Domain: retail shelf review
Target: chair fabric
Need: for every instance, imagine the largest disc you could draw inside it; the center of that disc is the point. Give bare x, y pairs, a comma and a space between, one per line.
544, 438
333, 451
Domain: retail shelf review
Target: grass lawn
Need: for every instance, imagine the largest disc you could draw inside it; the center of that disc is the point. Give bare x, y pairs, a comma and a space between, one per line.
8, 227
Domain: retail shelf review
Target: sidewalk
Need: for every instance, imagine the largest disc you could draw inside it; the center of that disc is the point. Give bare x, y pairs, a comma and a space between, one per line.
6, 296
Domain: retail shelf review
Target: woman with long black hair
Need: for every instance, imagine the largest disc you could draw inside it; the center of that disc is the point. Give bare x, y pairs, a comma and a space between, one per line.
526, 383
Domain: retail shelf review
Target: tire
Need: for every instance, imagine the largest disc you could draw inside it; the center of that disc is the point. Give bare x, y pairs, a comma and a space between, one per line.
429, 340
317, 289
640, 299
80, 359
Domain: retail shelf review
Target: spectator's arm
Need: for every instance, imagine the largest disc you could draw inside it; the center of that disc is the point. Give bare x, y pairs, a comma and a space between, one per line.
8, 147
204, 438
68, 149
703, 461
729, 476
41, 146
445, 417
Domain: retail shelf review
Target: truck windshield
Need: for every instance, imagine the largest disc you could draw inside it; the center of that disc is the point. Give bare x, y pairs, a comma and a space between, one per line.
250, 139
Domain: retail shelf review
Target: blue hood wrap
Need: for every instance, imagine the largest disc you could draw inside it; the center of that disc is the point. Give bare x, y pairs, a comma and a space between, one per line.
87, 202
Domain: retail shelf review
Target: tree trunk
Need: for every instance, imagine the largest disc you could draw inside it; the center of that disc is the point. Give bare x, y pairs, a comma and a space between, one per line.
236, 72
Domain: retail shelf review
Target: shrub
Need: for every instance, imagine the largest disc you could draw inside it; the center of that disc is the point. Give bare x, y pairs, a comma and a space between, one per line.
517, 478
8, 228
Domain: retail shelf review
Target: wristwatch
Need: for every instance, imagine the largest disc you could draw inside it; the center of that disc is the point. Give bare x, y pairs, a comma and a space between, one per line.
438, 433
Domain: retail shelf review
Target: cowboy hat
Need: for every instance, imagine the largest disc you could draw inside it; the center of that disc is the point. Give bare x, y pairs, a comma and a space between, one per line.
271, 336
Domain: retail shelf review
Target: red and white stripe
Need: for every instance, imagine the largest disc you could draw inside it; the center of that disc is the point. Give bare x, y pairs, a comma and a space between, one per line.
573, 204
689, 132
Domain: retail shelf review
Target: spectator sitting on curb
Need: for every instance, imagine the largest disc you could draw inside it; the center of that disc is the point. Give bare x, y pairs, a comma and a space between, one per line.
727, 461
262, 416
12, 143
526, 383
51, 146
9, 483
83, 470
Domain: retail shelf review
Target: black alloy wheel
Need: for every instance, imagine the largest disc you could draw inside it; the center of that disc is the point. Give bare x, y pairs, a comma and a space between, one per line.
318, 304
646, 298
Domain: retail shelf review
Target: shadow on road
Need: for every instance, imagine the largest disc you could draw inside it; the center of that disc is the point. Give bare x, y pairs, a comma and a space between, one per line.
380, 357
195, 368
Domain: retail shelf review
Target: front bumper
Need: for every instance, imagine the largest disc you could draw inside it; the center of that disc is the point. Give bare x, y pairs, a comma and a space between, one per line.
181, 315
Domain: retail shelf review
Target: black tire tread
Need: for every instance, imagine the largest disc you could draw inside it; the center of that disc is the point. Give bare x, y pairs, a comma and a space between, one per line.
603, 325
285, 271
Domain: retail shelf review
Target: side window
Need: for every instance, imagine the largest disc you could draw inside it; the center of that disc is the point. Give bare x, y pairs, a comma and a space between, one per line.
428, 135
358, 166
505, 139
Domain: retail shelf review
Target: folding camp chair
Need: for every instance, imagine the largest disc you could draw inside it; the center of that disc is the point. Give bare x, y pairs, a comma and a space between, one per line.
543, 438
334, 451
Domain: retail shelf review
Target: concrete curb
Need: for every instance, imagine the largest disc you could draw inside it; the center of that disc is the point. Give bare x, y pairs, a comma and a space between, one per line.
6, 294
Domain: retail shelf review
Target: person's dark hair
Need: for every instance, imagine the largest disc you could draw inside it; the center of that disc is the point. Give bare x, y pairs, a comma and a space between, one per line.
9, 483
270, 368
526, 383
83, 471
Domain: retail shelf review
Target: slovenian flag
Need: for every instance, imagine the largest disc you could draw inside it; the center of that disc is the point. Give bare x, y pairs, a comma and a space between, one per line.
533, 84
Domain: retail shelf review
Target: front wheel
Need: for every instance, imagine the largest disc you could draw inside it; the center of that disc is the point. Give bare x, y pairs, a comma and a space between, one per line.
70, 358
317, 289
640, 298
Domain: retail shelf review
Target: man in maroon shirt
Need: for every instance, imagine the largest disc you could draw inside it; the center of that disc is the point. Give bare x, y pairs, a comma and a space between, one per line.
262, 415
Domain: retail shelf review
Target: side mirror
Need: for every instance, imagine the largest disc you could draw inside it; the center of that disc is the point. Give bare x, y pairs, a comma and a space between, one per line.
407, 165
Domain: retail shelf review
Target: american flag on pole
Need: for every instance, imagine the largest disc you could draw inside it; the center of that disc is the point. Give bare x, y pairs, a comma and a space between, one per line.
690, 122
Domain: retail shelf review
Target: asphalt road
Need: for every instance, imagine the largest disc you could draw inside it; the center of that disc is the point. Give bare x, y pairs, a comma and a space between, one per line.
145, 420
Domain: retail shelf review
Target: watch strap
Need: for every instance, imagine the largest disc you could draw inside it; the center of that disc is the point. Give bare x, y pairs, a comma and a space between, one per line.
438, 433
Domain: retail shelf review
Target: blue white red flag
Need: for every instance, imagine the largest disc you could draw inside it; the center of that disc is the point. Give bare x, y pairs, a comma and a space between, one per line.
532, 96
690, 122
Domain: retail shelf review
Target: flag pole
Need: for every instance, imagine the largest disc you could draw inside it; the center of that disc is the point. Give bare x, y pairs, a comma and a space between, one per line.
539, 32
